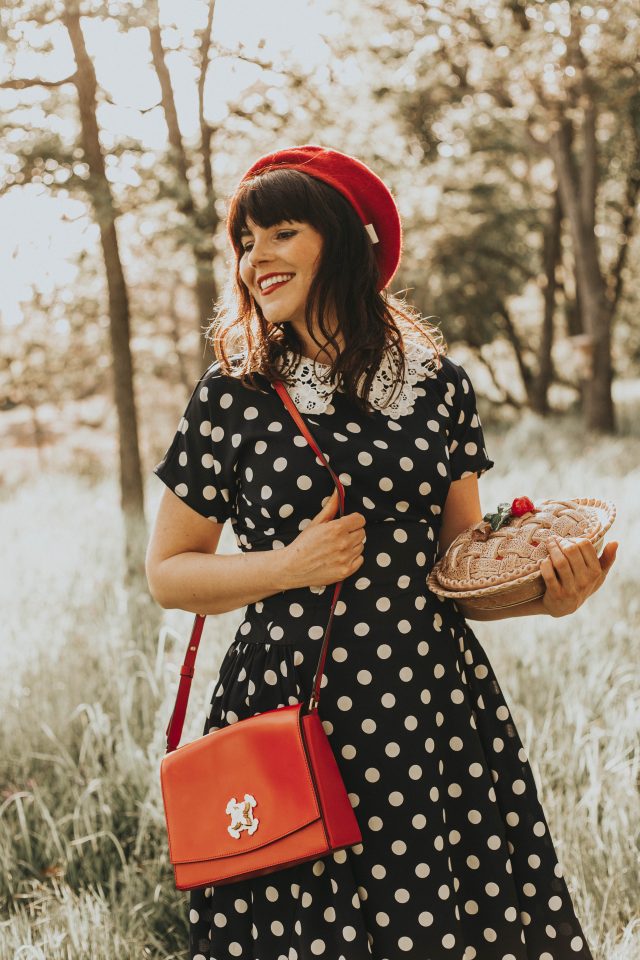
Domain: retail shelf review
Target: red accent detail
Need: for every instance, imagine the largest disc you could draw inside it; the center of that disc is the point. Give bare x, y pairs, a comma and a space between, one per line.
301, 800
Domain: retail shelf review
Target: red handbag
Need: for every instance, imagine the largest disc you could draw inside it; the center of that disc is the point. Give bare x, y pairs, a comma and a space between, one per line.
263, 793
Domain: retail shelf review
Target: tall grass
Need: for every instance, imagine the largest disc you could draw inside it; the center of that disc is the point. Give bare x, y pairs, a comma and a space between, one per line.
84, 870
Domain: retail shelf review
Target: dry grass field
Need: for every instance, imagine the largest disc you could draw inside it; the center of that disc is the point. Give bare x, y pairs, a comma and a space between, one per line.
84, 871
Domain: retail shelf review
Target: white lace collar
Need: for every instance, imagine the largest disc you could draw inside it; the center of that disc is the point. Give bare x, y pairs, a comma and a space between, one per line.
312, 392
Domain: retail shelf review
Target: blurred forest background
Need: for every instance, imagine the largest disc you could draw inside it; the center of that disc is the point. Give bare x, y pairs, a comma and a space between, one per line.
509, 132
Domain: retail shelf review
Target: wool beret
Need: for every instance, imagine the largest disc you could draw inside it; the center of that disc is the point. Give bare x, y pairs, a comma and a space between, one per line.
365, 191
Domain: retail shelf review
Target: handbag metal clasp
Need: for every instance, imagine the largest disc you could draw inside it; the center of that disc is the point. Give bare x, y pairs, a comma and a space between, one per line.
242, 817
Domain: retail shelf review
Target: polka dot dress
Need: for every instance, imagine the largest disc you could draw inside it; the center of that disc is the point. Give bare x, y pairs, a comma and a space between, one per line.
456, 861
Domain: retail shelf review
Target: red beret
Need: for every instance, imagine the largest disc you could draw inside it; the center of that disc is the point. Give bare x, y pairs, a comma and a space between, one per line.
366, 192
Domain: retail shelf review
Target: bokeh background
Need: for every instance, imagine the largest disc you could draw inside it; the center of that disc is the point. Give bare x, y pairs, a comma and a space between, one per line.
509, 132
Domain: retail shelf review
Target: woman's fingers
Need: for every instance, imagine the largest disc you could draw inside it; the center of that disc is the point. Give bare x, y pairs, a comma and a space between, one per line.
567, 562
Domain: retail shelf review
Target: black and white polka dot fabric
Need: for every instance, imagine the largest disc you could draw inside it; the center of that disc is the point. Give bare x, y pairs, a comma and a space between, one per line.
456, 861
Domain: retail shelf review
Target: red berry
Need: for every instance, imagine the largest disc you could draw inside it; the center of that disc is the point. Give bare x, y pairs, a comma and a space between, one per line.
522, 505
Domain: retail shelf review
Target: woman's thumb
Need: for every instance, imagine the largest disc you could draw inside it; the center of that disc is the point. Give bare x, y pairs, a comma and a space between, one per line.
330, 508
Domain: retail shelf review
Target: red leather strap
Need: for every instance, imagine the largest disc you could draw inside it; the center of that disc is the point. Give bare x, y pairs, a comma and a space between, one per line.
176, 721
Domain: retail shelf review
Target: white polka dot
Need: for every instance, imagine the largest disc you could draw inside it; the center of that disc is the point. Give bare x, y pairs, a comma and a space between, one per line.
576, 943
555, 903
318, 947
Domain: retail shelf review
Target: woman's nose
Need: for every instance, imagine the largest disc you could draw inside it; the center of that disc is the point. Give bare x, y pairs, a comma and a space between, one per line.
258, 253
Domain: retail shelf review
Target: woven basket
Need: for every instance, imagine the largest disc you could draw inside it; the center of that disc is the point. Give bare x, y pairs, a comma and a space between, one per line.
487, 569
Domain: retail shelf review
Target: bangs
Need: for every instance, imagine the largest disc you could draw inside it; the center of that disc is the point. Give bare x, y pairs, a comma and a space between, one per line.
271, 198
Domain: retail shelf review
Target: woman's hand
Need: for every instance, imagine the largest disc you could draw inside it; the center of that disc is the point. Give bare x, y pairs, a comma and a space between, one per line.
328, 549
572, 572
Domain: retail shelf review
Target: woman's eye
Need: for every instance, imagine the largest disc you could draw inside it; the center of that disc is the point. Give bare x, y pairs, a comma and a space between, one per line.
280, 233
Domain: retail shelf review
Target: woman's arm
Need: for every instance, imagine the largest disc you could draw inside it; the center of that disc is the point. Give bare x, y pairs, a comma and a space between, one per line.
184, 572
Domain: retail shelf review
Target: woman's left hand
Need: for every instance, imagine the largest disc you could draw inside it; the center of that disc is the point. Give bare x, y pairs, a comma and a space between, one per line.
572, 572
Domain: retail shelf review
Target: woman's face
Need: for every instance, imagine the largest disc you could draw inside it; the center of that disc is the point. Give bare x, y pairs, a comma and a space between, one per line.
278, 265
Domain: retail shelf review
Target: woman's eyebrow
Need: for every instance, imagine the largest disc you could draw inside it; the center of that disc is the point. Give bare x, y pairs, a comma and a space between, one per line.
246, 232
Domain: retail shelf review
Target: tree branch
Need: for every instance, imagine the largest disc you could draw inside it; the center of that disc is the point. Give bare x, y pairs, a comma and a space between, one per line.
20, 83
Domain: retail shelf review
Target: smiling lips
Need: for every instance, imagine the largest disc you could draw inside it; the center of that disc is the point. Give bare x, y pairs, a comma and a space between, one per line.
273, 283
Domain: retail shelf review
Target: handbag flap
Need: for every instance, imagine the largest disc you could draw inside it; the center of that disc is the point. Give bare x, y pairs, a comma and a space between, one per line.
238, 788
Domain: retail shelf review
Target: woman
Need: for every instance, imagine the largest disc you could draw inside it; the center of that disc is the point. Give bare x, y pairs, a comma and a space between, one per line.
456, 858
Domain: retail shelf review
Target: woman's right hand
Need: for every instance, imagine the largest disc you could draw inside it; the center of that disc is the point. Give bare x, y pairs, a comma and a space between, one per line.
327, 550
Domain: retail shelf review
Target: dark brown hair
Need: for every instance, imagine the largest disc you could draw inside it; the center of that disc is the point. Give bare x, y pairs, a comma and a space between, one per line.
345, 282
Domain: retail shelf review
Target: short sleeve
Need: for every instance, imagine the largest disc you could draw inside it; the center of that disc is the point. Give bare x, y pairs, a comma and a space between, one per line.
467, 449
198, 466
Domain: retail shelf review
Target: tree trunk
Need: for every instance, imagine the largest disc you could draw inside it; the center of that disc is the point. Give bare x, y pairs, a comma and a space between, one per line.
131, 486
540, 387
203, 222
577, 195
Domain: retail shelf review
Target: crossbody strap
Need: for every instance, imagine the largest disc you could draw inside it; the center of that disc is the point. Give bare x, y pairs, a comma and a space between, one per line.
176, 721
